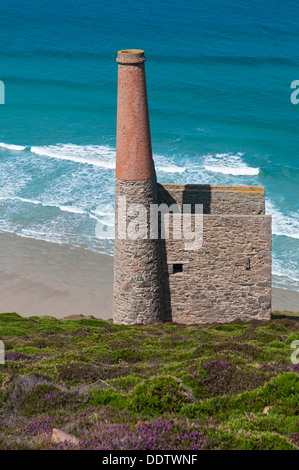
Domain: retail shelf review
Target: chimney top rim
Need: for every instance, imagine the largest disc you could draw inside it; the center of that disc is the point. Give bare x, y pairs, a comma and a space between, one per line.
130, 56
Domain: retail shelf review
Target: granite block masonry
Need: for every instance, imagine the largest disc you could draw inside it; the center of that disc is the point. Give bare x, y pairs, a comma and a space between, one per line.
228, 277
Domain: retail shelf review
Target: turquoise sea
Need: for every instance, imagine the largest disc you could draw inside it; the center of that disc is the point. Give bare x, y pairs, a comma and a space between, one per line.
218, 76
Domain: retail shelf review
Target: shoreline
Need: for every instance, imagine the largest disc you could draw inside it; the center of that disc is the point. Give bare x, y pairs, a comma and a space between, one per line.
39, 278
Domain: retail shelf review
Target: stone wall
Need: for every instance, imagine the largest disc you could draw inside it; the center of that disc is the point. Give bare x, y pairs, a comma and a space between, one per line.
229, 277
216, 199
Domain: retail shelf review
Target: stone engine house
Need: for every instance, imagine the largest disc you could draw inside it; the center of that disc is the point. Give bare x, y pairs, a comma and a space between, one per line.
228, 277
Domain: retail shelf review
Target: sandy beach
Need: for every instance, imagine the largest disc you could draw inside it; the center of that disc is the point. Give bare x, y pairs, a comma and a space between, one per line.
283, 299
42, 278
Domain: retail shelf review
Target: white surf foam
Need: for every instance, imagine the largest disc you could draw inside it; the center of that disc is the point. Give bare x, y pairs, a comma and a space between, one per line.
229, 164
283, 225
285, 274
109, 221
22, 199
96, 155
11, 146
104, 214
72, 209
164, 165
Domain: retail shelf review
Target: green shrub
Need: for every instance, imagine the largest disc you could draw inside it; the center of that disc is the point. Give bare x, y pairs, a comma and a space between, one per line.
283, 390
225, 327
94, 322
264, 441
159, 395
10, 317
126, 355
108, 397
275, 327
277, 344
8, 330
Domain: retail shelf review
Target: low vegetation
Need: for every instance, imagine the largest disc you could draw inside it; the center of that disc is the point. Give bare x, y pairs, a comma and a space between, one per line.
163, 386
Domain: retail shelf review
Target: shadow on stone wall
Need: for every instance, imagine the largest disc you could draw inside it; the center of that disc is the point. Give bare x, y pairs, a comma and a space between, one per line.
191, 194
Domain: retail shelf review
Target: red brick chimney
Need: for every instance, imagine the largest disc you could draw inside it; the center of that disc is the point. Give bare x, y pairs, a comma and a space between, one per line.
134, 160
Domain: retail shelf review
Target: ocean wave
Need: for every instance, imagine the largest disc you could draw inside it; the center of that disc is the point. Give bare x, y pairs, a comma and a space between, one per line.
104, 156
22, 199
96, 155
72, 209
101, 156
285, 274
12, 147
164, 164
228, 164
93, 244
170, 169
109, 222
104, 214
99, 214
283, 225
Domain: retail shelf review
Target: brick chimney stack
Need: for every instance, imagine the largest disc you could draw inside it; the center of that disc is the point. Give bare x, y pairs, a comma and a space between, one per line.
137, 275
134, 161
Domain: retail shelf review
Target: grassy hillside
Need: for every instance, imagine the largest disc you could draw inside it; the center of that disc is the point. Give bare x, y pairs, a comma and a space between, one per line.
163, 386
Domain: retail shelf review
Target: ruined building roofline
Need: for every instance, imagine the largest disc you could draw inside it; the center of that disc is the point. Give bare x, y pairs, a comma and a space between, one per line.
216, 199
215, 187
